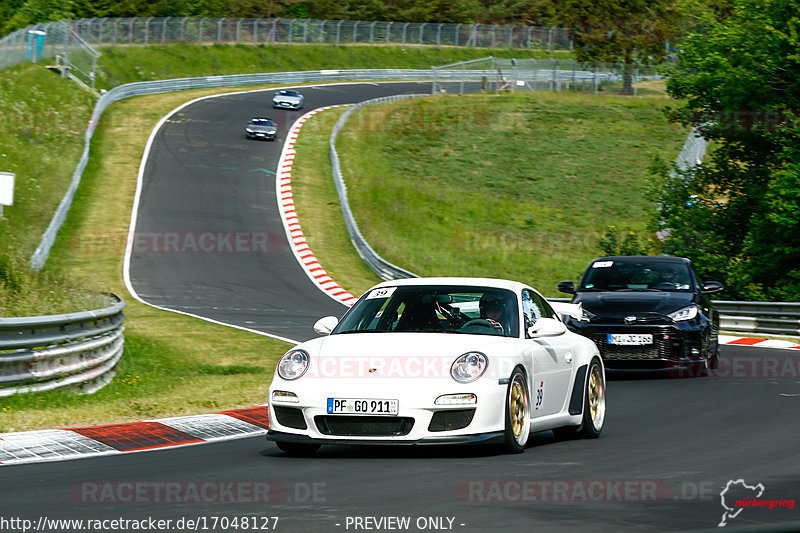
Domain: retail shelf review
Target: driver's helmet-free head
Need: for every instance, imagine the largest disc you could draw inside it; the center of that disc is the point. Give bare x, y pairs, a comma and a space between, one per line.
492, 303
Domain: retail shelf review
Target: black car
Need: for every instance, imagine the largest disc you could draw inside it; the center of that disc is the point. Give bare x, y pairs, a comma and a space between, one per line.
261, 128
647, 313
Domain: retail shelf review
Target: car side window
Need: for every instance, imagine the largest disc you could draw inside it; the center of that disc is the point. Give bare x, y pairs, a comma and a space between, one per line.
530, 309
545, 308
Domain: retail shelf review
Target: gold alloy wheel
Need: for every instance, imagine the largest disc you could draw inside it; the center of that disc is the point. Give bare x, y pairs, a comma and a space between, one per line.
596, 398
517, 408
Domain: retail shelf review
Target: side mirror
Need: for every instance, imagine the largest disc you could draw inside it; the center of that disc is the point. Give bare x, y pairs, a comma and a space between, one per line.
710, 287
567, 287
324, 326
546, 327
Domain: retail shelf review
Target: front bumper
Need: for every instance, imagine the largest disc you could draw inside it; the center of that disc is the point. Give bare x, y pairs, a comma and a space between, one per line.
287, 105
495, 437
674, 346
259, 135
419, 420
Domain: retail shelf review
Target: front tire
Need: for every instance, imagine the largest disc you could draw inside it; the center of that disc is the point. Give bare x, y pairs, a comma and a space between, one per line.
518, 411
594, 404
594, 408
298, 449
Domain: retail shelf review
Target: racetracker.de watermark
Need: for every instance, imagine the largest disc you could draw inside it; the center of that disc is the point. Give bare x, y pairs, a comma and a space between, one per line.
196, 492
180, 242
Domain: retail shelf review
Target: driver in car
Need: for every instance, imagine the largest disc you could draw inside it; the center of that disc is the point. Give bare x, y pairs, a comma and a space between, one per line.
493, 309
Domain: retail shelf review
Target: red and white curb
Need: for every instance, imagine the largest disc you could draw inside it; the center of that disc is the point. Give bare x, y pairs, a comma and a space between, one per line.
114, 439
760, 343
291, 224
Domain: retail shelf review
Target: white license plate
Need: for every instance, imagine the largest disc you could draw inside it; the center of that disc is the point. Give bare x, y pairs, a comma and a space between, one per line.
362, 406
629, 339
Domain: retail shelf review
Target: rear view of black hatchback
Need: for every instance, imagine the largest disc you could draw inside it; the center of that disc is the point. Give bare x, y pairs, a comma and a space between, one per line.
647, 313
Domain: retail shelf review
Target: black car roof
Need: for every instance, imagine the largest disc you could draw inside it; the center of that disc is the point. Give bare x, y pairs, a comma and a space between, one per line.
650, 258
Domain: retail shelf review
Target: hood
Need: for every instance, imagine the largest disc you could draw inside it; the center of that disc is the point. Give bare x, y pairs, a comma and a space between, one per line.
405, 344
263, 129
360, 356
632, 302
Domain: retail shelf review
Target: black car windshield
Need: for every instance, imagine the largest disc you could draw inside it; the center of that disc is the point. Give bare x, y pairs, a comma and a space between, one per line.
434, 309
622, 275
262, 122
289, 93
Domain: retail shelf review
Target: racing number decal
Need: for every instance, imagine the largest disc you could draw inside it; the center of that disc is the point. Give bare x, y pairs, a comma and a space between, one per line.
539, 396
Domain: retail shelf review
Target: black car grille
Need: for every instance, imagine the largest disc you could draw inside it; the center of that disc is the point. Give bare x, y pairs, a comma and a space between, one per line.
291, 417
364, 426
661, 348
451, 419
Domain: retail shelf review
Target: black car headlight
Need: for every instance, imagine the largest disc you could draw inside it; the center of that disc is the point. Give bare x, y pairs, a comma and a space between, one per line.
293, 364
586, 316
687, 313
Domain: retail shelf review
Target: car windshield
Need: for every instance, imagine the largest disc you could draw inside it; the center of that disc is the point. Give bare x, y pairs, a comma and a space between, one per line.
289, 93
434, 309
622, 275
261, 122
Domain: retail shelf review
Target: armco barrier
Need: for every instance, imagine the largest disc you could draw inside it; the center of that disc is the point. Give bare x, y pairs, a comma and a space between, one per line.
384, 269
776, 318
55, 351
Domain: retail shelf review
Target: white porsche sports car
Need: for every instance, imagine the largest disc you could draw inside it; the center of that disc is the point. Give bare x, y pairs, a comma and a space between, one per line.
439, 361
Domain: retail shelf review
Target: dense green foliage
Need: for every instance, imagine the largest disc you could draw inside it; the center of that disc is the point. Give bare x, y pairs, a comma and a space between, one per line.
621, 31
516, 186
737, 216
16, 14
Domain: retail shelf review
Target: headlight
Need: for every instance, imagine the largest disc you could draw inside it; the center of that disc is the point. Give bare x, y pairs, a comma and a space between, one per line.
293, 364
687, 313
248, 130
587, 316
469, 367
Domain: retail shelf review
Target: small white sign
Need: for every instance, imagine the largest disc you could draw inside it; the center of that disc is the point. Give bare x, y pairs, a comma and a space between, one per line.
6, 188
602, 264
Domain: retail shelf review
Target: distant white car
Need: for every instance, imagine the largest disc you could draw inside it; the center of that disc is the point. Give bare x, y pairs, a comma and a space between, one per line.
438, 361
288, 99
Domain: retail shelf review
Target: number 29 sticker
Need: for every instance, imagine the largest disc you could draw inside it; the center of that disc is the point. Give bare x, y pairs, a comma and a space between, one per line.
537, 403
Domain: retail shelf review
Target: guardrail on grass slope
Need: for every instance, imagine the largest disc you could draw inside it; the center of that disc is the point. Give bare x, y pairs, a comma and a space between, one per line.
57, 351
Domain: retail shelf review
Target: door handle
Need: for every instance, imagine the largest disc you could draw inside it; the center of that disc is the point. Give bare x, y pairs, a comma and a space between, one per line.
568, 357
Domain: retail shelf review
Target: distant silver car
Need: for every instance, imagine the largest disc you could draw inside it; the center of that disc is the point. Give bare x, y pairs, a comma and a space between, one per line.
261, 128
288, 99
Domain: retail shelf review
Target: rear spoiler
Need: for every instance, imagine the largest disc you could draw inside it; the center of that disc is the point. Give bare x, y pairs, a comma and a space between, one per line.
566, 309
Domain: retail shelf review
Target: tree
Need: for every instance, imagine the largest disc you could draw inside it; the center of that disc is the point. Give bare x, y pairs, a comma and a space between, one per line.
739, 212
620, 31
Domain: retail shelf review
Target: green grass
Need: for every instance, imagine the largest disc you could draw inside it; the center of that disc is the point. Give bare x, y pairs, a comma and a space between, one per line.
42, 122
519, 186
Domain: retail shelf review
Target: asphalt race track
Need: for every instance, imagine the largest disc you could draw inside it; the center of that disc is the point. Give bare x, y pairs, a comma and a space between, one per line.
208, 237
668, 449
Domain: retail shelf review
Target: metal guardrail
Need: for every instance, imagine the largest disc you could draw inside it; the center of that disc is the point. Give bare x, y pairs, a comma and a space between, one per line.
384, 269
78, 350
776, 318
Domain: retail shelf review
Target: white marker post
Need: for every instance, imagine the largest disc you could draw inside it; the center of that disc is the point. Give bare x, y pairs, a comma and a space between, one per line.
6, 190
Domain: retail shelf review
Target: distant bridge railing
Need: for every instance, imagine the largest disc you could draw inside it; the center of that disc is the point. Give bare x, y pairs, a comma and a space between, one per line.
76, 350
